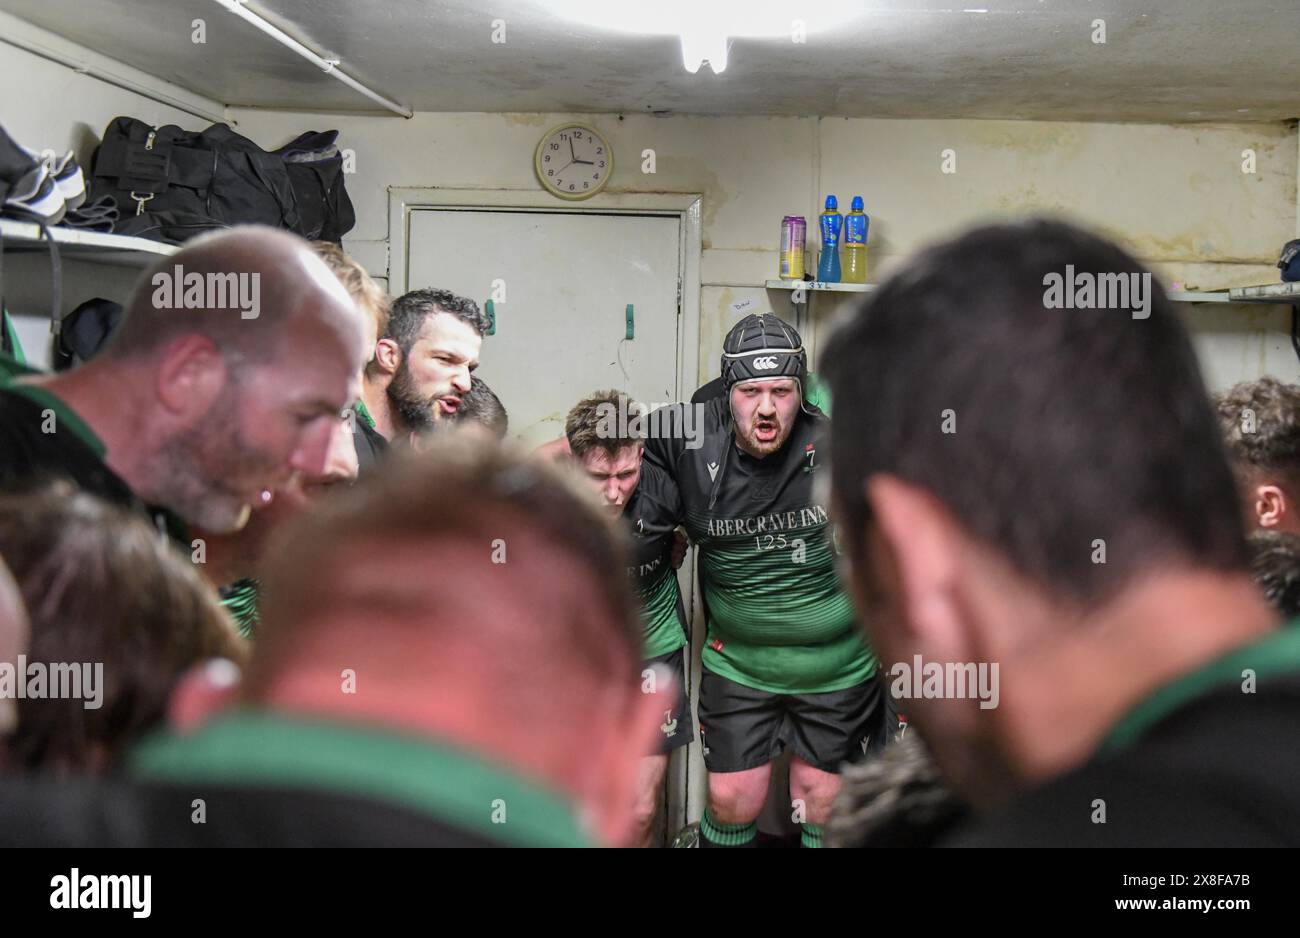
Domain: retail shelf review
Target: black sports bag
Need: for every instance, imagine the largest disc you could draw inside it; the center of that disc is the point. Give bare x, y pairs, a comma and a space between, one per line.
170, 184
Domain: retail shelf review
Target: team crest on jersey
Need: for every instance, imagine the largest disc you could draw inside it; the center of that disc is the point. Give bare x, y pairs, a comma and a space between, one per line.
669, 725
809, 458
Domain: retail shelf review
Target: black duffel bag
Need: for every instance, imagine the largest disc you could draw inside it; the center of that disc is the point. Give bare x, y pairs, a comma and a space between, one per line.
170, 184
316, 174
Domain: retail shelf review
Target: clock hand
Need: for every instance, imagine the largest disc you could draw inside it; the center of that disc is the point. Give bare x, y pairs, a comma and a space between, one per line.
584, 162
571, 153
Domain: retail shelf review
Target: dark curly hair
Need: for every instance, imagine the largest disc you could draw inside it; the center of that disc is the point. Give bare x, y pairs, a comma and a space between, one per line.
409, 311
1261, 425
1275, 564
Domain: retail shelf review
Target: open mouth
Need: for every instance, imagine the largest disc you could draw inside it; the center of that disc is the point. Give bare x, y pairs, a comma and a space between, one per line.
449, 405
766, 432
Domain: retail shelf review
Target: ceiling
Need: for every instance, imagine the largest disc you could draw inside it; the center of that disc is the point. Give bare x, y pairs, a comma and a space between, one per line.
1163, 61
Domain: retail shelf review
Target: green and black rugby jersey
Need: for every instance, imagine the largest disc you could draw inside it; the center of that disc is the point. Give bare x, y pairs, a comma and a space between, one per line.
1206, 760
651, 517
779, 620
241, 600
279, 780
43, 440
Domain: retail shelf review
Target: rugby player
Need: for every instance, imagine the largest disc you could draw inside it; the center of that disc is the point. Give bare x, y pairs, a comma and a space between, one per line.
784, 664
644, 499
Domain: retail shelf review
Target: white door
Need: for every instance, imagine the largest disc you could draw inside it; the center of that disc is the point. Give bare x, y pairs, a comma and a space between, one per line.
568, 278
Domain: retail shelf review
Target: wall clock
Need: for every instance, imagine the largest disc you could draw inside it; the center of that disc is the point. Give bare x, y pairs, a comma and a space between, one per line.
573, 161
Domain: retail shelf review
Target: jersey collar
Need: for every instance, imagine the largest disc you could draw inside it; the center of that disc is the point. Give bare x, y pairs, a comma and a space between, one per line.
64, 414
1276, 653
434, 778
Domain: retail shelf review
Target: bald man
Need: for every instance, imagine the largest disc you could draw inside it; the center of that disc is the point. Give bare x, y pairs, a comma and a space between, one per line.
13, 639
233, 361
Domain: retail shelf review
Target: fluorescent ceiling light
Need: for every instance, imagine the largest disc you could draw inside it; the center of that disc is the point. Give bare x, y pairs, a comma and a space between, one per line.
329, 66
706, 26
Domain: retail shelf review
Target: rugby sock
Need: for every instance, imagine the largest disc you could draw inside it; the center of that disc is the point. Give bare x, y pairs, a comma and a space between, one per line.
811, 836
714, 833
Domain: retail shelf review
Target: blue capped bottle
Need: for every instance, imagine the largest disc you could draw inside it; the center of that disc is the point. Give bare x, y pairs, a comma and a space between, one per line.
831, 222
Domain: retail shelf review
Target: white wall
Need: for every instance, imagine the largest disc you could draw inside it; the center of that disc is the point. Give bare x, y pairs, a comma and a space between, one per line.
1175, 195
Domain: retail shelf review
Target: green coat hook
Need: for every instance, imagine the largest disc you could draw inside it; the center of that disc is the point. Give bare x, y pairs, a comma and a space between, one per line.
491, 311
631, 322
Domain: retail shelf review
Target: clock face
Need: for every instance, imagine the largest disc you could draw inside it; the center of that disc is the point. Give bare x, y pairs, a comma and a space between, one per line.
574, 162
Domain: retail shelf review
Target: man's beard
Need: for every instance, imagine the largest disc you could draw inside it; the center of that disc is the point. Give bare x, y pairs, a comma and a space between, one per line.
766, 448
201, 473
417, 413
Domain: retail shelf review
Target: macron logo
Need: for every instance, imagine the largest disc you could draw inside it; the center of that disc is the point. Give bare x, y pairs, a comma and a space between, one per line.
102, 892
713, 471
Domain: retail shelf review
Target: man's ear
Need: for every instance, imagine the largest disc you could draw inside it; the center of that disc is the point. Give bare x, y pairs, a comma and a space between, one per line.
921, 545
1270, 505
388, 356
191, 376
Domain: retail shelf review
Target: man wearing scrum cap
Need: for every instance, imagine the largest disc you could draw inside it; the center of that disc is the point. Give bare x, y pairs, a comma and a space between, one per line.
199, 405
784, 666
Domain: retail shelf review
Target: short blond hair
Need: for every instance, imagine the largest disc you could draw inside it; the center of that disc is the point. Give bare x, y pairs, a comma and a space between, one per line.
373, 300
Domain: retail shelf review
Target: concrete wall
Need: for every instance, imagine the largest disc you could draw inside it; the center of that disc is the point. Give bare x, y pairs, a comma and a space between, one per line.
1176, 195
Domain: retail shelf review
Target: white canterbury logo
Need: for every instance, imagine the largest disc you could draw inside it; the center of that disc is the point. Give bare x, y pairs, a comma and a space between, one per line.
713, 470
765, 363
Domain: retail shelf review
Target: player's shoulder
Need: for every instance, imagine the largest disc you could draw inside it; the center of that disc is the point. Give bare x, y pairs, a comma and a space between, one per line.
686, 422
656, 485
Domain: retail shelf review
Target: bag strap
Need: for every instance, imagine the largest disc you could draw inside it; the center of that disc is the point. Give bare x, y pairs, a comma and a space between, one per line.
153, 164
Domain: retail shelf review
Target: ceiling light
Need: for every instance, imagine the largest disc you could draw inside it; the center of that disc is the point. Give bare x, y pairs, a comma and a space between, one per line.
707, 26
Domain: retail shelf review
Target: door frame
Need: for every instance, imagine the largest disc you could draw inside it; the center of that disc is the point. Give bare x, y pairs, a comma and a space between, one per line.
402, 201
684, 783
